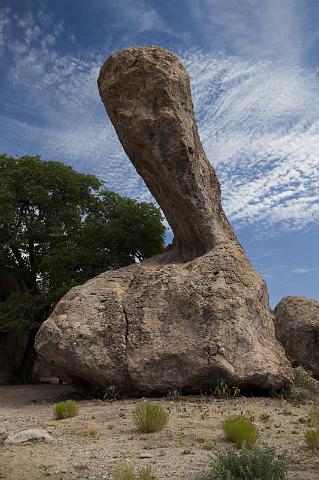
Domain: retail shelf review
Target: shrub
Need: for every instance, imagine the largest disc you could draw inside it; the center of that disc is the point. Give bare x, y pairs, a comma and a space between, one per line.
111, 393
93, 429
241, 431
256, 463
314, 416
146, 473
66, 409
303, 385
305, 380
224, 391
175, 395
126, 471
312, 438
150, 417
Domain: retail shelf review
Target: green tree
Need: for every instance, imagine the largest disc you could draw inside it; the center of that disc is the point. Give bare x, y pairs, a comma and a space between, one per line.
58, 228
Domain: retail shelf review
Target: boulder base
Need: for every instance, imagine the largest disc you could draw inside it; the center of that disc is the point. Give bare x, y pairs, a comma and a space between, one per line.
153, 327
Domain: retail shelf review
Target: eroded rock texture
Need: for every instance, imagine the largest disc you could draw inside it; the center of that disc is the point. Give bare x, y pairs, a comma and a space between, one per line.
297, 328
199, 311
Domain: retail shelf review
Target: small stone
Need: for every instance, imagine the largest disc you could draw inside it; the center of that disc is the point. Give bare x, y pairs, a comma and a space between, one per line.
30, 435
3, 435
145, 455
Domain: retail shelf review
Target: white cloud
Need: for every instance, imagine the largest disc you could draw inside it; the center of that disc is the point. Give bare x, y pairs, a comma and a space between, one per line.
254, 29
259, 123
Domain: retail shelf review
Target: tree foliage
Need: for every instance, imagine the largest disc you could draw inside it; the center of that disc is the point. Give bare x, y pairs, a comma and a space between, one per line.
58, 228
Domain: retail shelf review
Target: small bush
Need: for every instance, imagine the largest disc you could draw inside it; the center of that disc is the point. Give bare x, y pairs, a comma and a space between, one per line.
303, 386
312, 438
175, 395
256, 463
146, 473
314, 416
126, 471
66, 409
240, 431
224, 391
150, 417
93, 429
111, 393
305, 380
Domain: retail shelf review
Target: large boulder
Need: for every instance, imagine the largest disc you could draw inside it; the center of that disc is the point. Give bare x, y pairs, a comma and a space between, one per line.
199, 311
297, 328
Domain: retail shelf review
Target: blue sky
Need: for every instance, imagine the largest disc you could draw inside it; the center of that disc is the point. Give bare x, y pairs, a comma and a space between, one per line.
254, 69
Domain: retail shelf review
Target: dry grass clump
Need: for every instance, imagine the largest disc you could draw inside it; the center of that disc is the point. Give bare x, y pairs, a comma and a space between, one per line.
303, 386
93, 429
66, 409
224, 391
255, 463
312, 438
150, 417
126, 471
314, 416
240, 431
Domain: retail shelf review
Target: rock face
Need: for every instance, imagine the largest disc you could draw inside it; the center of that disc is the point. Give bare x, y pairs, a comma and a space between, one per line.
297, 328
199, 311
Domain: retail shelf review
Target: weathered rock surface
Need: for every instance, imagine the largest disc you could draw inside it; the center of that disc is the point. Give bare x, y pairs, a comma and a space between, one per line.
195, 313
297, 328
31, 435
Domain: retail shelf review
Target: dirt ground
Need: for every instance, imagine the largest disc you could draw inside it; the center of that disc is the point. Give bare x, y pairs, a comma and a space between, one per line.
181, 451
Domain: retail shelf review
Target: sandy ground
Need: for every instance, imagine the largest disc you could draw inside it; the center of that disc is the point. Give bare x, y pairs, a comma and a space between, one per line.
182, 451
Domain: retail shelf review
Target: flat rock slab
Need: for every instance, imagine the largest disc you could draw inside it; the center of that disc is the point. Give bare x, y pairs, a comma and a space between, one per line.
32, 435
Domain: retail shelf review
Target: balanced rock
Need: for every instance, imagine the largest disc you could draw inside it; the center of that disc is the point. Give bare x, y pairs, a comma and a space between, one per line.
199, 311
297, 328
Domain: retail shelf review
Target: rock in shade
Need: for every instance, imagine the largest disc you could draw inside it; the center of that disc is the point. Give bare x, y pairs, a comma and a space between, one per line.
297, 328
31, 435
199, 311
3, 435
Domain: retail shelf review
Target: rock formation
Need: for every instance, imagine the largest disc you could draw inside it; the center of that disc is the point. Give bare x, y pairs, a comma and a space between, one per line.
297, 328
199, 311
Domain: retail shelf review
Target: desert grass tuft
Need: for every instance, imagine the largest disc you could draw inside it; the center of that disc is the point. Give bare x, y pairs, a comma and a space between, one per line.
146, 473
314, 416
66, 409
312, 438
240, 431
93, 429
150, 417
126, 471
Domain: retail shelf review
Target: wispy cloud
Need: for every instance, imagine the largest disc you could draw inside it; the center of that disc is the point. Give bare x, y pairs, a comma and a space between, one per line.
258, 120
259, 124
271, 29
